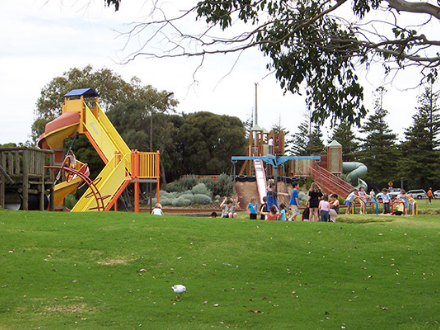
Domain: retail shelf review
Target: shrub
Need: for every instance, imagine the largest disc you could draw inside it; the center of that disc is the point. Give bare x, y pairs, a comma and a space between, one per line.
187, 182
187, 195
225, 185
70, 201
180, 201
309, 182
173, 187
211, 185
201, 189
202, 199
302, 196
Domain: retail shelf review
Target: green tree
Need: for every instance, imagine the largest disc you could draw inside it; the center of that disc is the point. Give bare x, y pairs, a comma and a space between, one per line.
209, 141
109, 85
343, 133
421, 146
312, 43
378, 150
308, 141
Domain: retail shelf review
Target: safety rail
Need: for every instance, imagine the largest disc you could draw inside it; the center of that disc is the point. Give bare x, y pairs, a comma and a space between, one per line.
145, 164
330, 182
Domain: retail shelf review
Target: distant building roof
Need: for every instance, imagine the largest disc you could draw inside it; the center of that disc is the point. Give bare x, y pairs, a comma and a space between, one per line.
87, 92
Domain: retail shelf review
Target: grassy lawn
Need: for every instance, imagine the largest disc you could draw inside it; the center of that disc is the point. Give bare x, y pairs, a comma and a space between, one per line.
115, 270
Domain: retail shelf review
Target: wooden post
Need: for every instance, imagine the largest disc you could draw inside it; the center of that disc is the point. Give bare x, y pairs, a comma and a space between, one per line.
2, 180
40, 167
52, 179
158, 176
25, 182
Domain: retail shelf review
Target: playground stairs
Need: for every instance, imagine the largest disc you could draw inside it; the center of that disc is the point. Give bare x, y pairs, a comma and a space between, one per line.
329, 182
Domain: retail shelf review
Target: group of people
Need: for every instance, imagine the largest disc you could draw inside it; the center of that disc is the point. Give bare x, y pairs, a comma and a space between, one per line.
404, 207
318, 207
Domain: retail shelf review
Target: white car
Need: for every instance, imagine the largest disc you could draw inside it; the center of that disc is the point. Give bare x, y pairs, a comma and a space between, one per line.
417, 193
436, 194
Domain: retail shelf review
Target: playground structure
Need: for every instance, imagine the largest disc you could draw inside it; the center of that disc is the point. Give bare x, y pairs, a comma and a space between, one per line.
414, 210
24, 181
324, 169
81, 114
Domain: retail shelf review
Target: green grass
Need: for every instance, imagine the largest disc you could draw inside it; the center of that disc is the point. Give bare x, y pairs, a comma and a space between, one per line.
85, 271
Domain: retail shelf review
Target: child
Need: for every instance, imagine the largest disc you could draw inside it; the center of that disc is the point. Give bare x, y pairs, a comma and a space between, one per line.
404, 198
410, 203
324, 208
334, 207
283, 212
252, 209
294, 201
386, 201
228, 208
263, 209
306, 214
350, 199
363, 196
157, 209
273, 213
372, 194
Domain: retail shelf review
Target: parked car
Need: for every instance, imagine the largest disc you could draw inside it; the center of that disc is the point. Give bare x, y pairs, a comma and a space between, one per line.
436, 194
394, 192
417, 193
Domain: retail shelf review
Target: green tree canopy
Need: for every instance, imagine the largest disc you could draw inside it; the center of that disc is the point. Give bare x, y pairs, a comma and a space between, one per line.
419, 164
316, 44
308, 141
379, 150
343, 133
109, 85
208, 142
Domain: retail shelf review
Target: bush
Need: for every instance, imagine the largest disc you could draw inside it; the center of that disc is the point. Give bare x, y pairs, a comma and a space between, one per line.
173, 187
187, 195
202, 199
225, 185
70, 201
209, 183
302, 196
201, 189
181, 201
309, 182
187, 182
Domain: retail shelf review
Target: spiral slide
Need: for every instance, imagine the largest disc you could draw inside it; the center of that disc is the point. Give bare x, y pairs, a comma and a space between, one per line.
355, 171
82, 114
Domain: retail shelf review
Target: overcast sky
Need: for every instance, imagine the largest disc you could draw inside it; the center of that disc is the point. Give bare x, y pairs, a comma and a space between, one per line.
42, 39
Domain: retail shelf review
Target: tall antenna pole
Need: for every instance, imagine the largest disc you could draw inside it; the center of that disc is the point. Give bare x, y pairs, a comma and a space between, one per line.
256, 106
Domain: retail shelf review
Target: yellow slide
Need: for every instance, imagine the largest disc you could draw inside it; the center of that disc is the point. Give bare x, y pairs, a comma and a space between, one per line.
61, 190
82, 114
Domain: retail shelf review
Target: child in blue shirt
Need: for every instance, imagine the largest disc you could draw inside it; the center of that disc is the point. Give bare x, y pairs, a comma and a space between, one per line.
349, 200
252, 209
386, 201
283, 212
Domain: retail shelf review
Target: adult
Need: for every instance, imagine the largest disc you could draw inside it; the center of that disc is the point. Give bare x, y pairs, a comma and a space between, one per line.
430, 195
294, 201
315, 194
272, 196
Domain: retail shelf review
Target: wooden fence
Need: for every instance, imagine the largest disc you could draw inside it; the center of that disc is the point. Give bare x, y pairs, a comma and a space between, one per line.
22, 171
